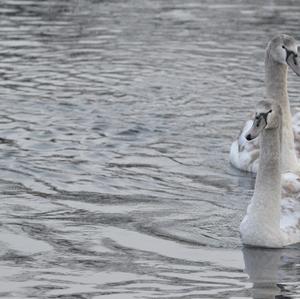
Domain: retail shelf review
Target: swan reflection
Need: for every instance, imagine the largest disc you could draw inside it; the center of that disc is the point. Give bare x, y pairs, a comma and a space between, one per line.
267, 268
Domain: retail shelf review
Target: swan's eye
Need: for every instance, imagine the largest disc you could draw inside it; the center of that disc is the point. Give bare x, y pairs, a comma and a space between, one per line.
283, 46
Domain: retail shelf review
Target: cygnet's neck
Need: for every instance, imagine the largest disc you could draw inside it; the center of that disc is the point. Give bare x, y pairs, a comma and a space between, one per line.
276, 89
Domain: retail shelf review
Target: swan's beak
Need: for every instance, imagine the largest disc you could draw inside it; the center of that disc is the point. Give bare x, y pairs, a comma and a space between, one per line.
294, 63
259, 123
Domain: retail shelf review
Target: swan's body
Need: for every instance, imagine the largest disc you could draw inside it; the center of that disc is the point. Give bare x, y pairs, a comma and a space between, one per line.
281, 52
271, 221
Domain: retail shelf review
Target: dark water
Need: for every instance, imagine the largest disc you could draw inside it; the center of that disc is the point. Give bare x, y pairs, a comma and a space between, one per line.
116, 122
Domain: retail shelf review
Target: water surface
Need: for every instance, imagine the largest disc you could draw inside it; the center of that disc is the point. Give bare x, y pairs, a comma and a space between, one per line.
116, 119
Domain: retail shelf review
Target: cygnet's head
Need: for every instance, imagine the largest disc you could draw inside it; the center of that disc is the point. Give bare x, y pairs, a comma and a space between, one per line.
267, 116
284, 50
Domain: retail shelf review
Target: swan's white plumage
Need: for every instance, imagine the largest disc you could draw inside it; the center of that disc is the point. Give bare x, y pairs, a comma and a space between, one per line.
273, 216
290, 184
244, 154
290, 219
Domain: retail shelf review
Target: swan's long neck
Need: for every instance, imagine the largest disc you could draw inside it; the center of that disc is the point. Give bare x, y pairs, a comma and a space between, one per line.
261, 225
276, 88
267, 194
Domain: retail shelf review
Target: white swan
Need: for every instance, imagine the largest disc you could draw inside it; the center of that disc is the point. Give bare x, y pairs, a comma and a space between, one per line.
281, 52
271, 221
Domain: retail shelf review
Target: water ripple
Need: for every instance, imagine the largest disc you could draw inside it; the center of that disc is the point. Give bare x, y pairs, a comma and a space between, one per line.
116, 122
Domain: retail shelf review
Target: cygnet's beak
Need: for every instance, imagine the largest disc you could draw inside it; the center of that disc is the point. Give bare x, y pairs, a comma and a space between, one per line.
294, 62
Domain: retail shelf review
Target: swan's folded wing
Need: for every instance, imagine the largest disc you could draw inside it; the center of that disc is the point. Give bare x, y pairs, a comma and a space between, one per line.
290, 185
290, 219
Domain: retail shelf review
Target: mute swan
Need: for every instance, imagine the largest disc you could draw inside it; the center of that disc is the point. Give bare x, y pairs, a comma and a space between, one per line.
271, 221
281, 52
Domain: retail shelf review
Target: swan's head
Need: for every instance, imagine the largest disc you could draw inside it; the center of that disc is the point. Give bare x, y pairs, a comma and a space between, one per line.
267, 116
284, 50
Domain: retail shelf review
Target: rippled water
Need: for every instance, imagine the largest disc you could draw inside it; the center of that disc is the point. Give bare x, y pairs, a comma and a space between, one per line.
116, 122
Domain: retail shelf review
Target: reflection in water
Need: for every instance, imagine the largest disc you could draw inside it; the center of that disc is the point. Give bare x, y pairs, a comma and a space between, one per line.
266, 269
262, 267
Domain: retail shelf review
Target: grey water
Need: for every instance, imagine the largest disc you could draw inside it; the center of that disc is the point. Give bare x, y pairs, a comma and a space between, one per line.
116, 119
